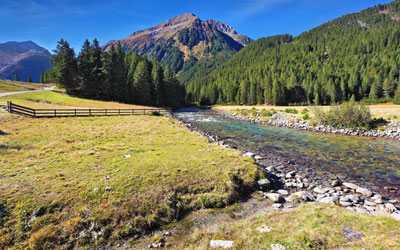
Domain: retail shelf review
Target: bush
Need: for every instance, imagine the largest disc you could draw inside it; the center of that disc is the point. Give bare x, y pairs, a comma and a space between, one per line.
304, 111
155, 113
347, 115
291, 111
306, 117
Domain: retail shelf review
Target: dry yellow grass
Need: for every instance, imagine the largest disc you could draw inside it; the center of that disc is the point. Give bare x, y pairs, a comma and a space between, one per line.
386, 110
13, 86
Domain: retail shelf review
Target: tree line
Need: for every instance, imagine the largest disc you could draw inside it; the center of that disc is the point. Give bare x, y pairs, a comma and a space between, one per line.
355, 57
114, 75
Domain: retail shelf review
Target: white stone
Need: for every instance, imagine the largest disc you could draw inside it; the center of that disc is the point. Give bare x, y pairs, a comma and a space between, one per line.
283, 192
249, 154
277, 198
264, 229
395, 216
329, 200
364, 192
277, 247
390, 208
351, 185
221, 243
126, 156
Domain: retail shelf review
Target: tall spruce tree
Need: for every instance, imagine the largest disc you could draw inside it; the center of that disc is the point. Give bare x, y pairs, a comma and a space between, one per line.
142, 79
16, 77
65, 67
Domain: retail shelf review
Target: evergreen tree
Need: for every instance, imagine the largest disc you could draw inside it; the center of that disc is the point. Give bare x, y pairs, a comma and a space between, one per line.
158, 82
42, 77
253, 94
85, 69
29, 79
142, 79
396, 99
16, 77
65, 67
278, 93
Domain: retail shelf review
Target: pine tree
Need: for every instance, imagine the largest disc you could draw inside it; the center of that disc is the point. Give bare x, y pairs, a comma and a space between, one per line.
253, 94
16, 77
278, 93
158, 82
29, 79
376, 89
396, 99
142, 81
97, 74
42, 77
65, 67
85, 69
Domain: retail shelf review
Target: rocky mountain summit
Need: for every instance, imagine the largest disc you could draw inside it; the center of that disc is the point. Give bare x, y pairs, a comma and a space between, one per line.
184, 41
27, 59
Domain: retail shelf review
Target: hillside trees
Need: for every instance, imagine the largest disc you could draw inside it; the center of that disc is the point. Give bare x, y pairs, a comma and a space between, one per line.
335, 62
114, 76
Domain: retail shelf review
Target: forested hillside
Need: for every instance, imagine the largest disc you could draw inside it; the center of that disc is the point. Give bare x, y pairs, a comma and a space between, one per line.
354, 57
114, 76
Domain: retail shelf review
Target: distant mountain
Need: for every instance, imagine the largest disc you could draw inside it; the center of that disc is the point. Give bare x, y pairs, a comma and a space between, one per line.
27, 59
186, 44
354, 57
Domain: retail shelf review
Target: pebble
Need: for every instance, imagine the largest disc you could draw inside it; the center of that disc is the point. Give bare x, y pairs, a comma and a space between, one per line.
364, 191
277, 198
350, 185
277, 247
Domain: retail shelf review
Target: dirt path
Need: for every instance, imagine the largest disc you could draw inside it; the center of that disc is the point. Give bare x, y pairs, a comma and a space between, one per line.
28, 91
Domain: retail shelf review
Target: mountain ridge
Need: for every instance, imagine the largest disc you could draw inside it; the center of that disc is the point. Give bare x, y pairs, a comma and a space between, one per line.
27, 59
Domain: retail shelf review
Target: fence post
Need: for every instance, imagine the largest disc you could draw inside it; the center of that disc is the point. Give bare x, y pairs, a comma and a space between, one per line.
119, 111
9, 106
34, 113
55, 112
75, 112
90, 112
106, 111
144, 111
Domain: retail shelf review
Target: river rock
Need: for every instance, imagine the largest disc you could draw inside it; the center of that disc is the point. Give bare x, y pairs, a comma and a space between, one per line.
364, 192
376, 197
283, 192
264, 184
277, 198
350, 185
221, 243
329, 200
395, 216
390, 208
336, 183
320, 190
303, 195
249, 154
369, 203
345, 203
291, 174
257, 158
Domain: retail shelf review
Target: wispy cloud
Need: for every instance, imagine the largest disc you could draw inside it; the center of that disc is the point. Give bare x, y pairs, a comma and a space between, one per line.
35, 9
255, 7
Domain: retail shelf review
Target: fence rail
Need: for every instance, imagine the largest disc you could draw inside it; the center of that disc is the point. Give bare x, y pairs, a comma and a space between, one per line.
21, 110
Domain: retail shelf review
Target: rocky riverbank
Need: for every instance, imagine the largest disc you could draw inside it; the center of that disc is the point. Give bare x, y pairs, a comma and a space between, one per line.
390, 131
288, 185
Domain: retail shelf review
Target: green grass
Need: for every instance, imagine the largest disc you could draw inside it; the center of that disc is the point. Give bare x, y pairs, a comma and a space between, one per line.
307, 227
54, 174
58, 99
13, 86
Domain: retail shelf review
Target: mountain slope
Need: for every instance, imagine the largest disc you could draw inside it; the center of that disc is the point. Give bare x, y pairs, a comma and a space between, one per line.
27, 59
184, 42
352, 57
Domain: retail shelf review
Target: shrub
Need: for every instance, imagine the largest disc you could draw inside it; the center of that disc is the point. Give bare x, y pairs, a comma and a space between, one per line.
304, 111
347, 115
155, 113
306, 117
291, 111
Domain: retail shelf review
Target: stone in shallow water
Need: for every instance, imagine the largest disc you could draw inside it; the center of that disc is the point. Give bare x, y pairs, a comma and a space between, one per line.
283, 192
221, 243
351, 185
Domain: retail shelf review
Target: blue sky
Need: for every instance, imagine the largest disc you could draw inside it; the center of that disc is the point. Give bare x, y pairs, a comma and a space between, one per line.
46, 21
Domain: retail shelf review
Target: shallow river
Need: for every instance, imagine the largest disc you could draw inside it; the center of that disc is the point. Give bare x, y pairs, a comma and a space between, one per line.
372, 161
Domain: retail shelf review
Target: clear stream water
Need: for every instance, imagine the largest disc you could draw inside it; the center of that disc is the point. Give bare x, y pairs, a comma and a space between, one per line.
368, 160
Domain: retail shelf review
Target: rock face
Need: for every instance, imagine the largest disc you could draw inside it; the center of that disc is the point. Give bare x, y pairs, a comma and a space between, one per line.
183, 41
27, 59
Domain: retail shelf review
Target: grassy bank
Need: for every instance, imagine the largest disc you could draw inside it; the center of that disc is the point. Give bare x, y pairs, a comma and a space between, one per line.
99, 180
387, 111
307, 227
13, 86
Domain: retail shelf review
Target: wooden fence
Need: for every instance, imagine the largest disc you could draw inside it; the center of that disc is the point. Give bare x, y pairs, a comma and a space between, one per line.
21, 110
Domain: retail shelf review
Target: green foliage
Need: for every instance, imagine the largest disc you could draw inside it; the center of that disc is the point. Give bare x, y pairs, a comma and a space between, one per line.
304, 111
306, 117
155, 113
335, 62
114, 76
291, 111
346, 115
16, 77
29, 79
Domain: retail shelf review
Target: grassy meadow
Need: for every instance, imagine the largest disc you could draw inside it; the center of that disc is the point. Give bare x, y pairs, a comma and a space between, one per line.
13, 86
306, 227
99, 180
